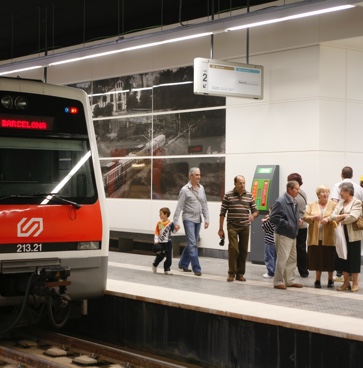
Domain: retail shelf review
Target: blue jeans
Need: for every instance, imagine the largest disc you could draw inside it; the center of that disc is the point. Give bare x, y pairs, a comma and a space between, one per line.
270, 258
190, 252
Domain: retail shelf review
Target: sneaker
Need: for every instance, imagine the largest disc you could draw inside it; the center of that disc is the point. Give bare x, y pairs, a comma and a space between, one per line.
338, 278
154, 268
168, 272
267, 276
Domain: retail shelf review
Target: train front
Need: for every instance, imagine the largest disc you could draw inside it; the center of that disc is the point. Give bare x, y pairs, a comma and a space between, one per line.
54, 243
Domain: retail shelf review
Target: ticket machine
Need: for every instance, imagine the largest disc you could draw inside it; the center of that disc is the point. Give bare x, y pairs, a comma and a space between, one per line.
265, 190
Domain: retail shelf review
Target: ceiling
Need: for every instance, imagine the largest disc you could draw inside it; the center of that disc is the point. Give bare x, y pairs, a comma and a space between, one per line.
36, 26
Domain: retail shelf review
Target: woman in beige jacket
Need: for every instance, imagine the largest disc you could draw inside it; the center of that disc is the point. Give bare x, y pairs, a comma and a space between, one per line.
348, 211
321, 237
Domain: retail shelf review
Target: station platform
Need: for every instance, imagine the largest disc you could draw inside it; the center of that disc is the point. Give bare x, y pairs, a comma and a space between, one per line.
206, 321
325, 311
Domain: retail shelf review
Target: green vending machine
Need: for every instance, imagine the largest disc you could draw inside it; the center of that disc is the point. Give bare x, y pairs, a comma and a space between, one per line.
265, 190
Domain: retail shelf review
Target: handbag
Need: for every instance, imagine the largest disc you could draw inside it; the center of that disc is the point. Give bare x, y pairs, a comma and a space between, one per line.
358, 225
340, 242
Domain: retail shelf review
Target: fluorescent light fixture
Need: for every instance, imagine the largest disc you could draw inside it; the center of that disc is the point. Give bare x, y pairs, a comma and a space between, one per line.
136, 47
22, 69
291, 17
322, 11
181, 33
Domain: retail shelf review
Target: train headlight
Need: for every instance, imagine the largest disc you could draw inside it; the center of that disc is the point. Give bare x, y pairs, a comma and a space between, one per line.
21, 103
7, 102
89, 245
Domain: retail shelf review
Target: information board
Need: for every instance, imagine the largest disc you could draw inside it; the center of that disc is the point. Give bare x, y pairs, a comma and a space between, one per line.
222, 78
265, 191
260, 189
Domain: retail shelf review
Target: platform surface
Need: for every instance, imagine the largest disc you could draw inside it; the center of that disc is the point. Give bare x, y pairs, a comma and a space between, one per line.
325, 311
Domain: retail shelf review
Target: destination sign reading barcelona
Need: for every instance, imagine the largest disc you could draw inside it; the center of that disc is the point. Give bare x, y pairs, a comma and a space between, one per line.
22, 122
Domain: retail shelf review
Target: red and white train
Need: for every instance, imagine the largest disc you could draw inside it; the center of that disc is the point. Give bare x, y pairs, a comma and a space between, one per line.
54, 230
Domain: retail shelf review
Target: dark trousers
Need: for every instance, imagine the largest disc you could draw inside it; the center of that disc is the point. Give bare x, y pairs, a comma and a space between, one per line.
237, 248
301, 252
168, 256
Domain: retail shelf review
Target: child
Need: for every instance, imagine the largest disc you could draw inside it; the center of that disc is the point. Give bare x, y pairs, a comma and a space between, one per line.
163, 231
270, 251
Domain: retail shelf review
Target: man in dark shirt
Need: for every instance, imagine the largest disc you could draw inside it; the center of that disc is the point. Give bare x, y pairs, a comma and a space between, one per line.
242, 210
301, 254
285, 216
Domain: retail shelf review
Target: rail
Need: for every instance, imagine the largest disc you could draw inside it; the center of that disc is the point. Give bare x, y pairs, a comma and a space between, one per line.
47, 349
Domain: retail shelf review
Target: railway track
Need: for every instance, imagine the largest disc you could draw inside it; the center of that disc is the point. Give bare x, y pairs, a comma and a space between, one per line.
48, 349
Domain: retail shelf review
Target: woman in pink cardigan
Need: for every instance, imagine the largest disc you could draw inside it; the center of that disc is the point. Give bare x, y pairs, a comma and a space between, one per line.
321, 236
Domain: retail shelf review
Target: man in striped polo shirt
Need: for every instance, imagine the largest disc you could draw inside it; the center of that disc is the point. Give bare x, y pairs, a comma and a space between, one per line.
241, 210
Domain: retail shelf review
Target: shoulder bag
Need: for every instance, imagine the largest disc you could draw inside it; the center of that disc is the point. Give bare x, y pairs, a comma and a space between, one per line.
358, 225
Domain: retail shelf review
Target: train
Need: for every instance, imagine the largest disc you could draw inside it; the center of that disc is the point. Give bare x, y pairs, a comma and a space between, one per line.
55, 234
117, 172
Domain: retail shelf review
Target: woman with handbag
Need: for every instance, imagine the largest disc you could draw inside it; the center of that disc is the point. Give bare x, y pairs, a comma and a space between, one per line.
347, 211
321, 236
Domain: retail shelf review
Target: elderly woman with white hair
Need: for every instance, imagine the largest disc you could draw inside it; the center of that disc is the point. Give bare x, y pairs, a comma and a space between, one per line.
321, 236
347, 212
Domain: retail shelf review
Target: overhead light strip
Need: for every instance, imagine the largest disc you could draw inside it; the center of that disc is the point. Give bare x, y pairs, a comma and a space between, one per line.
22, 69
193, 31
131, 48
291, 17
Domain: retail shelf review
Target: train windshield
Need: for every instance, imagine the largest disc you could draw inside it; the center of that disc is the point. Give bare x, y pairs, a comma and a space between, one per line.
32, 168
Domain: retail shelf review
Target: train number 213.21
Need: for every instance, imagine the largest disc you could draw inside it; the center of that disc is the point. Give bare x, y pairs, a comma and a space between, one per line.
27, 248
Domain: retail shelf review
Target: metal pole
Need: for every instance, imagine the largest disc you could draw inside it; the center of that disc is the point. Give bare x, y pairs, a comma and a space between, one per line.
212, 35
248, 37
46, 43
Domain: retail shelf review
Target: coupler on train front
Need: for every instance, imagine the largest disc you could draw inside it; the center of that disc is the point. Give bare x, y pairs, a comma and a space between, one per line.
27, 298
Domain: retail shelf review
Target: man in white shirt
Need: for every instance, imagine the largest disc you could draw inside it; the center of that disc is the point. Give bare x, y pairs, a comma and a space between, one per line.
193, 204
346, 175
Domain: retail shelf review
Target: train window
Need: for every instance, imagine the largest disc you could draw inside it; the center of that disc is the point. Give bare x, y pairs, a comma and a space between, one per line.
30, 167
127, 178
169, 176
